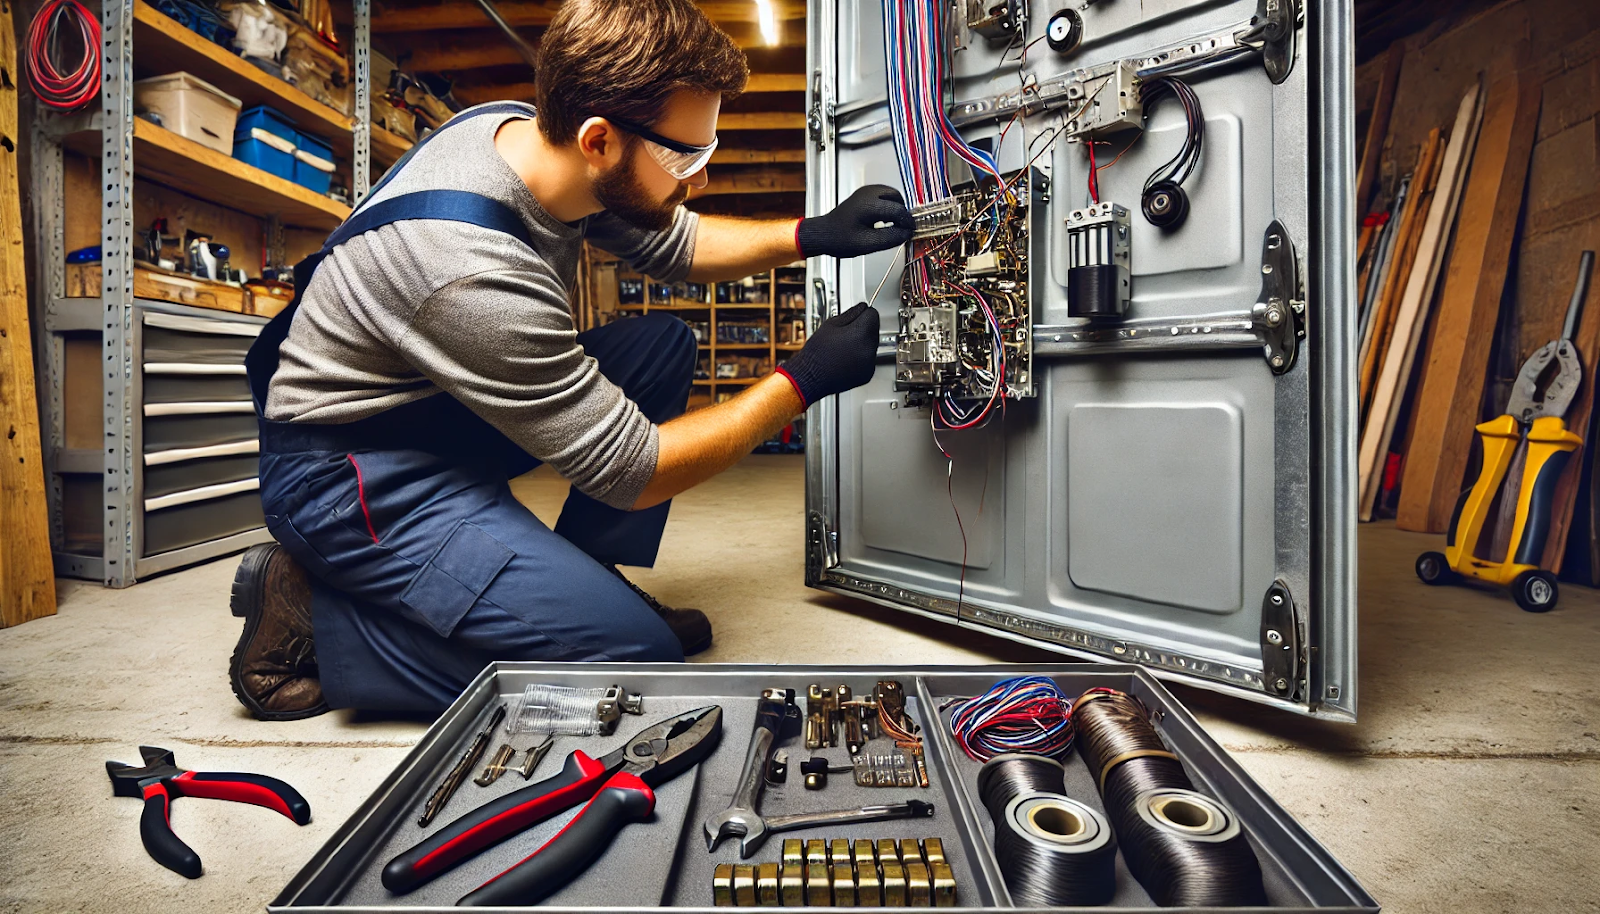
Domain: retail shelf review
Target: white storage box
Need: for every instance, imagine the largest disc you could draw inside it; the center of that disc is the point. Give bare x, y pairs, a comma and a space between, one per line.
191, 107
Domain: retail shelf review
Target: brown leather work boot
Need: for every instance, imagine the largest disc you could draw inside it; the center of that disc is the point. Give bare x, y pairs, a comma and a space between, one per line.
690, 625
274, 666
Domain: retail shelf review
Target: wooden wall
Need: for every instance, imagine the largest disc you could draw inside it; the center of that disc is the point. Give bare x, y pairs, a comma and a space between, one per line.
1560, 41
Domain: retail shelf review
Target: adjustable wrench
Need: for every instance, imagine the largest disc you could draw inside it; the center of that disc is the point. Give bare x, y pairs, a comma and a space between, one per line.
740, 818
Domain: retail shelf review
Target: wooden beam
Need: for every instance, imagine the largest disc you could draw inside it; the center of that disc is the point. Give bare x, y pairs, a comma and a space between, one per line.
524, 91
1458, 357
755, 181
490, 49
464, 14
27, 577
762, 120
1378, 126
757, 156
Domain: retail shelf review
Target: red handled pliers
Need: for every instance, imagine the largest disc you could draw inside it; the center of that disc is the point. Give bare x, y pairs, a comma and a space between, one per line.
617, 787
159, 781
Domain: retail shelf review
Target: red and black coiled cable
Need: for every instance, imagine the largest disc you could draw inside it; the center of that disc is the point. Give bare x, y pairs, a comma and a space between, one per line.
58, 80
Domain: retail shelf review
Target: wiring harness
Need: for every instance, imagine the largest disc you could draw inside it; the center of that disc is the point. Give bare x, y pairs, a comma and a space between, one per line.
1164, 203
1028, 714
61, 80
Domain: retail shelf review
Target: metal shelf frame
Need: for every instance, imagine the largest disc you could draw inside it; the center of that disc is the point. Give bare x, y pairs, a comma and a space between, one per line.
116, 315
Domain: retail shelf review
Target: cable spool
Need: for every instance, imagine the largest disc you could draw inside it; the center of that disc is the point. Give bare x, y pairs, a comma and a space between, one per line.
1053, 850
1184, 847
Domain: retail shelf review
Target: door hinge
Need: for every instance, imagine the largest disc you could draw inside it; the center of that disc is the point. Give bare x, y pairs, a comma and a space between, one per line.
1278, 312
1276, 22
819, 120
1283, 661
822, 547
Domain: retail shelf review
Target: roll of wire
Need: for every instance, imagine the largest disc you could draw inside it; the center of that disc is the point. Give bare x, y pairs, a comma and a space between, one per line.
1184, 847
1053, 850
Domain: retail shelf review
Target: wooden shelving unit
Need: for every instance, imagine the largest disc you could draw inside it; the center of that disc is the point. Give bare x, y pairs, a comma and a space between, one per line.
165, 46
774, 313
142, 484
200, 171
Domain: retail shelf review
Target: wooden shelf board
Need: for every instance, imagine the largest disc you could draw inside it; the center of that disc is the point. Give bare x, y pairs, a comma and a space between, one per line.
790, 347
700, 382
743, 346
200, 171
736, 382
768, 305
161, 41
387, 147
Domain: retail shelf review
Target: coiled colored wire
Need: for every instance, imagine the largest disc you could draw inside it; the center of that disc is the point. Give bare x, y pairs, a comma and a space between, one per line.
1027, 714
64, 85
1053, 850
1200, 857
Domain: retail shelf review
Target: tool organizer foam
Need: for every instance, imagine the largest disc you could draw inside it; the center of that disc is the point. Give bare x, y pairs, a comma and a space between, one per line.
664, 861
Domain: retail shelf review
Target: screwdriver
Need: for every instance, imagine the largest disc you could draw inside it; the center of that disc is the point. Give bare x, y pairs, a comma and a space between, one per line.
468, 761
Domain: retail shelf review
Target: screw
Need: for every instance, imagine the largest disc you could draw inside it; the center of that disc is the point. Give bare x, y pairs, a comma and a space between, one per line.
1281, 684
1277, 361
1274, 637
1277, 599
1274, 317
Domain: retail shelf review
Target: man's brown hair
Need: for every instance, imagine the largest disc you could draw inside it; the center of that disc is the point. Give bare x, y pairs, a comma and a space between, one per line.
625, 58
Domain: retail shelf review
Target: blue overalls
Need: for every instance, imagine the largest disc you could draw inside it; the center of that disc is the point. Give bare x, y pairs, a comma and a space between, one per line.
424, 568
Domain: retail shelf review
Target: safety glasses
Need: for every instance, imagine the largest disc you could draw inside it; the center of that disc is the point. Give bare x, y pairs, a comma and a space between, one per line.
678, 159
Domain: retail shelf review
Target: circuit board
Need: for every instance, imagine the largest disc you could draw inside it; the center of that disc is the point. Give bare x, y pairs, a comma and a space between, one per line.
965, 336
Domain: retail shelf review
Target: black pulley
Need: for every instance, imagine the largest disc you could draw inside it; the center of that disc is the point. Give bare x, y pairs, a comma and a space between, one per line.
1064, 31
1165, 205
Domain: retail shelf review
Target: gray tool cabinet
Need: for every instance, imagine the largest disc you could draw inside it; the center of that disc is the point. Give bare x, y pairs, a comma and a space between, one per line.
664, 862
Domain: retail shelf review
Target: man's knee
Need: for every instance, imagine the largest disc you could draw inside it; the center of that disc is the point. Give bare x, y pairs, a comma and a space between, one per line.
674, 340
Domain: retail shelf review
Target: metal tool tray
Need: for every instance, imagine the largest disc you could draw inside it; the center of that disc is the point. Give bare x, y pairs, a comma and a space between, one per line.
664, 862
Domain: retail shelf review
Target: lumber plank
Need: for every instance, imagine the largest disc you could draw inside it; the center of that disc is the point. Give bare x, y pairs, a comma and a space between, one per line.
27, 577
1456, 182
1405, 248
1458, 356
1378, 125
1380, 419
1587, 339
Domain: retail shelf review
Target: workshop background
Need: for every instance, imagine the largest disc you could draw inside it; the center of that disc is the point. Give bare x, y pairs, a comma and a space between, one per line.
1471, 783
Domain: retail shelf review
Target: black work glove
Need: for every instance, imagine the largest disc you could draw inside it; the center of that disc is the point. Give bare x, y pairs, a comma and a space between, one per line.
838, 356
848, 230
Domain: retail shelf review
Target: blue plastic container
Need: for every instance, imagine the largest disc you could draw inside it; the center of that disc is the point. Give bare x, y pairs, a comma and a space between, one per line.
307, 175
264, 155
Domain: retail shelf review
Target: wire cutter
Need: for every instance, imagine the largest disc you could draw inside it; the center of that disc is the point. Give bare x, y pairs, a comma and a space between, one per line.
159, 781
617, 787
1532, 436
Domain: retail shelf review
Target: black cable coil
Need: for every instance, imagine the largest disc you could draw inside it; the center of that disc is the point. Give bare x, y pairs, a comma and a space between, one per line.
1184, 847
1053, 850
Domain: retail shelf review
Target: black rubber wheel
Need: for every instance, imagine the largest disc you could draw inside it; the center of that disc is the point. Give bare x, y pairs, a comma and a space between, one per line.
1536, 591
1434, 569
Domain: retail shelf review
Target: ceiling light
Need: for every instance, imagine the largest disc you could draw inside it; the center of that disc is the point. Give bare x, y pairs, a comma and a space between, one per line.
768, 18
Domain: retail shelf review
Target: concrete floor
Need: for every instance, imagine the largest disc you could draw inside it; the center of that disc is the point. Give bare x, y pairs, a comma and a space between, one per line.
1472, 783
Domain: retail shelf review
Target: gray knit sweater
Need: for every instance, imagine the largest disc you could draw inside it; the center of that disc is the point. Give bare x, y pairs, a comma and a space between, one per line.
415, 308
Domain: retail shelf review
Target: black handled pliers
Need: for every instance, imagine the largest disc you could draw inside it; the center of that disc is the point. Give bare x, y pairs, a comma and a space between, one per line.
617, 787
159, 781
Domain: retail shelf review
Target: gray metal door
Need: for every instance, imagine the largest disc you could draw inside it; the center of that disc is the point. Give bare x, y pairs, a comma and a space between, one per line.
1177, 492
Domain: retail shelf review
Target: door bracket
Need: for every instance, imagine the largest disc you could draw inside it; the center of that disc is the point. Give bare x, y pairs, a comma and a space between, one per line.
1278, 21
819, 120
1282, 642
822, 548
1278, 313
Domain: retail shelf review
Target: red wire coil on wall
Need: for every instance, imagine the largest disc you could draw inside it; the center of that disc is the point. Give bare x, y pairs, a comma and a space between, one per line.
64, 86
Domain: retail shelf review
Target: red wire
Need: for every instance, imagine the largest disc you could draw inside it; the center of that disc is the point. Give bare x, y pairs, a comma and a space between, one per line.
74, 89
1094, 174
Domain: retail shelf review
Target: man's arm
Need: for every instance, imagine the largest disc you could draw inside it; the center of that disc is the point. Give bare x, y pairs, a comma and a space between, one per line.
729, 248
701, 444
697, 446
873, 218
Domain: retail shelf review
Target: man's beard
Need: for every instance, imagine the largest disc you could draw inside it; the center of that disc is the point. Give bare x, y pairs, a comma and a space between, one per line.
619, 191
